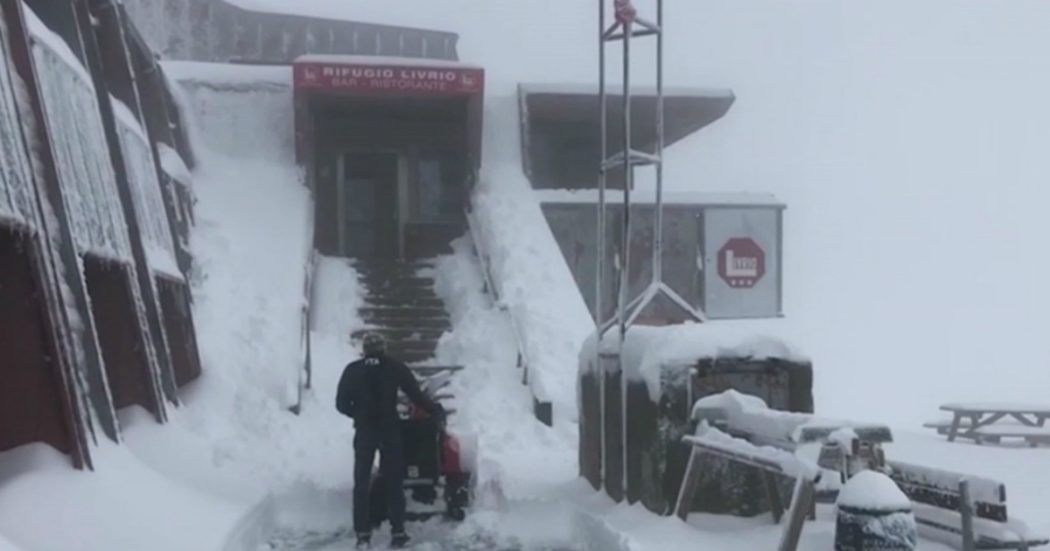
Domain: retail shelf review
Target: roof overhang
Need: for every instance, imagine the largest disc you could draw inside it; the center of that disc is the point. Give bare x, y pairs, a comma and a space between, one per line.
686, 110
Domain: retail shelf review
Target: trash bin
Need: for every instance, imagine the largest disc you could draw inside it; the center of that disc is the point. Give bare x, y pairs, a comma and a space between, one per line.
873, 513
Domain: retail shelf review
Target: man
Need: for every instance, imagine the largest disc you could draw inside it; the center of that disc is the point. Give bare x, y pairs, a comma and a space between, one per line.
368, 393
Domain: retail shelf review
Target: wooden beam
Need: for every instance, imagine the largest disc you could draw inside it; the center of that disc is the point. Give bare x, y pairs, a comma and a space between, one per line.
688, 489
800, 506
966, 514
773, 494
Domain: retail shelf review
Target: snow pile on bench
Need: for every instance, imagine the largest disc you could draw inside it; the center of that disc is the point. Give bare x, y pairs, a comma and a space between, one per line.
750, 415
647, 351
873, 491
738, 449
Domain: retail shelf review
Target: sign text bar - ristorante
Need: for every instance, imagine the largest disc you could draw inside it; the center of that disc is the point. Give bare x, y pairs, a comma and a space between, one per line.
378, 79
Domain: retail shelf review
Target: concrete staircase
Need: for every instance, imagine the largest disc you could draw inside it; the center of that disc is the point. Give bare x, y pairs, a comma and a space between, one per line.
401, 305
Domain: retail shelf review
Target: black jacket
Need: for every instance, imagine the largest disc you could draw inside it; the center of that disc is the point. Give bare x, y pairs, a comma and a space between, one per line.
368, 392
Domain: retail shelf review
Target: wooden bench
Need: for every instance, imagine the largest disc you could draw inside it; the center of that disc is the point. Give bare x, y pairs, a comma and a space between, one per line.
993, 422
967, 512
766, 459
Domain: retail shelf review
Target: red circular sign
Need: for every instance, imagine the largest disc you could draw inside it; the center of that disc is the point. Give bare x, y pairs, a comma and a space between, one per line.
741, 263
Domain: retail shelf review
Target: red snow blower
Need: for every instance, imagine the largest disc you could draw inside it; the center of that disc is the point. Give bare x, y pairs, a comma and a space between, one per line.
439, 463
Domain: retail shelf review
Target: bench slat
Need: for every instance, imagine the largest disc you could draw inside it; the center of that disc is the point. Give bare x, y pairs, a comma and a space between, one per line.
988, 534
977, 407
1013, 430
939, 488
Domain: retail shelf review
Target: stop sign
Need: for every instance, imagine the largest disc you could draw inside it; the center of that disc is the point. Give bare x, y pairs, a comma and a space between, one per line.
741, 262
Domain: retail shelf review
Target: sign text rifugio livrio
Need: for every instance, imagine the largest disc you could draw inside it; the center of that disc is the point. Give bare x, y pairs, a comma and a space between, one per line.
375, 78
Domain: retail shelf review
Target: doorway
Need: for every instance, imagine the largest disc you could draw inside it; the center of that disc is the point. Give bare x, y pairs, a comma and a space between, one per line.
370, 190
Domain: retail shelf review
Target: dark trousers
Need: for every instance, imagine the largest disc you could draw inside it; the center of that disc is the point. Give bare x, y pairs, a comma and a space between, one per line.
367, 441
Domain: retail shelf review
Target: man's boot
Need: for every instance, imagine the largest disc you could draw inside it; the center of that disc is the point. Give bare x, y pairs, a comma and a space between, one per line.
364, 540
398, 540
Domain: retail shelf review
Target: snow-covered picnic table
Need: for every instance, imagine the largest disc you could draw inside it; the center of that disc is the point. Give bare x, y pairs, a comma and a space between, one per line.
991, 422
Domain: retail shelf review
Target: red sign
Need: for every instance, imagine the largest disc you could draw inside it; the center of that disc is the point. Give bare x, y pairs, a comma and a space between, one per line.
386, 79
741, 262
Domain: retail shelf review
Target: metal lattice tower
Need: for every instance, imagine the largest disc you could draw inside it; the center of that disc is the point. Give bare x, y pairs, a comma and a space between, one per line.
627, 25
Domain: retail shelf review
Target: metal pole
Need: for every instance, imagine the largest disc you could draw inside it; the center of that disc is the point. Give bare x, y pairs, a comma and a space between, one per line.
658, 231
625, 269
599, 313
628, 181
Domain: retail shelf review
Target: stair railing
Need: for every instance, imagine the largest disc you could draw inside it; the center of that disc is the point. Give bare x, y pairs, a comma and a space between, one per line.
541, 404
306, 374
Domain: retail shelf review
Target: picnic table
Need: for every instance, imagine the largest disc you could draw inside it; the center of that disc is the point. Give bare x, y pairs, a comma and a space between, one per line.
988, 422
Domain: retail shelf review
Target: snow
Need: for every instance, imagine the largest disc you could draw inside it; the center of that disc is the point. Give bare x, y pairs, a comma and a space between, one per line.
383, 61
516, 453
82, 160
578, 88
997, 407
789, 463
534, 281
248, 109
981, 489
648, 197
173, 165
650, 350
146, 192
225, 74
44, 504
872, 491
819, 92
43, 36
15, 172
868, 147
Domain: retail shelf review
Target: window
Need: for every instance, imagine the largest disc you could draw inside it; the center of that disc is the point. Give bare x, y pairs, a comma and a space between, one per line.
440, 187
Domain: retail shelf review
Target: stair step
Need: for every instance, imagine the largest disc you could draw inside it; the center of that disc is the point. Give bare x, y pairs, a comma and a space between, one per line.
412, 357
363, 266
413, 345
402, 334
410, 323
372, 312
387, 285
408, 302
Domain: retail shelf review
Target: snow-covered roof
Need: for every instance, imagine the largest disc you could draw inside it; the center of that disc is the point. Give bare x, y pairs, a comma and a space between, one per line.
648, 197
228, 74
384, 61
577, 88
